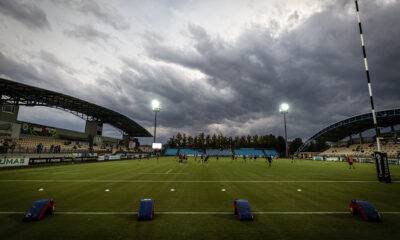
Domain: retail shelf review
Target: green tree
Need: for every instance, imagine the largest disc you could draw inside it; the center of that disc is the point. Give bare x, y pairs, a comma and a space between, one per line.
184, 140
207, 141
294, 145
190, 142
179, 139
255, 141
201, 140
280, 145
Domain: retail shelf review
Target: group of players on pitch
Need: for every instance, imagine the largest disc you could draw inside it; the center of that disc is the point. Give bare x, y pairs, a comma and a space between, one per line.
183, 158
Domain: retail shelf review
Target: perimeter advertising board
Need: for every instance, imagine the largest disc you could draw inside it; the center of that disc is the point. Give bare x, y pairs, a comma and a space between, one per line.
13, 162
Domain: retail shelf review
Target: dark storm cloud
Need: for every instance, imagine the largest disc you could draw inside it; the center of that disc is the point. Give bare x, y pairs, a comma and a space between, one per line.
26, 13
44, 73
316, 67
184, 101
24, 72
87, 33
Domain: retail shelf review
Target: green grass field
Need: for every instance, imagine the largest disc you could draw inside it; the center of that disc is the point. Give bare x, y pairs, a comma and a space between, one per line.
198, 208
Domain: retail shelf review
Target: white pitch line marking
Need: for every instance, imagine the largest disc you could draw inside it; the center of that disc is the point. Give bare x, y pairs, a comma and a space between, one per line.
192, 213
95, 213
160, 173
186, 181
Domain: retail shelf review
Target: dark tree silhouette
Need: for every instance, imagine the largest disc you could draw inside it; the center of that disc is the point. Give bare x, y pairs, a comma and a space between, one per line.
202, 141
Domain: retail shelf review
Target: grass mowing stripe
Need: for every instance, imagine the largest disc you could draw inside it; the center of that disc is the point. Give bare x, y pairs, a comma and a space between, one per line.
186, 181
194, 213
160, 173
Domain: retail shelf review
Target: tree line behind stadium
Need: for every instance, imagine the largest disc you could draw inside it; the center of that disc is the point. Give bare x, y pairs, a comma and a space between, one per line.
270, 141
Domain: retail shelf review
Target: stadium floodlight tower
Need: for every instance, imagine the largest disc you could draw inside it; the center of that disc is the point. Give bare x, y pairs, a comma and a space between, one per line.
284, 108
156, 107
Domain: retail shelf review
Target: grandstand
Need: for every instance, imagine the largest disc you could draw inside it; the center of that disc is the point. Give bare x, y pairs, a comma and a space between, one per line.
17, 137
340, 136
171, 152
221, 152
249, 152
363, 150
271, 152
191, 152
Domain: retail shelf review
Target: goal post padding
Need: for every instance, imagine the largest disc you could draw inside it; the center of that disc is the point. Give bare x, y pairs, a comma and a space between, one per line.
242, 209
146, 209
382, 167
40, 209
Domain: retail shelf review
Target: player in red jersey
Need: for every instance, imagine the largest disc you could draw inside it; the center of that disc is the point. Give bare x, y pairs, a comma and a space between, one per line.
350, 161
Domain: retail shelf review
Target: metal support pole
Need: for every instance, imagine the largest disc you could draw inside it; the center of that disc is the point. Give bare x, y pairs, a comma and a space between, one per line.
286, 143
155, 126
394, 133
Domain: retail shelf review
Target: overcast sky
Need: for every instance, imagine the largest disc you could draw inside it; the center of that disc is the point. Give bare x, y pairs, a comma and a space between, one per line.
216, 66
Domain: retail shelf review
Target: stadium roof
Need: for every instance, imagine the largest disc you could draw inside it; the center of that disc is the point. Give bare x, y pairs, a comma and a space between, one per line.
354, 125
25, 95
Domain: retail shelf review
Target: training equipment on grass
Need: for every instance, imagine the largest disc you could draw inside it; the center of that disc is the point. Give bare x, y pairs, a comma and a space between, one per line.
382, 167
146, 209
39, 209
366, 210
242, 209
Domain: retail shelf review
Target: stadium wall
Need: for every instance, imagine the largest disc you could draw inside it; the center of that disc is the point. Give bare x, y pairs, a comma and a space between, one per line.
32, 160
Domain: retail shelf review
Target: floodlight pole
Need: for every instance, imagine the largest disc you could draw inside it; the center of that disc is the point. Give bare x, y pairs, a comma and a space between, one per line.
377, 132
284, 108
286, 144
155, 125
